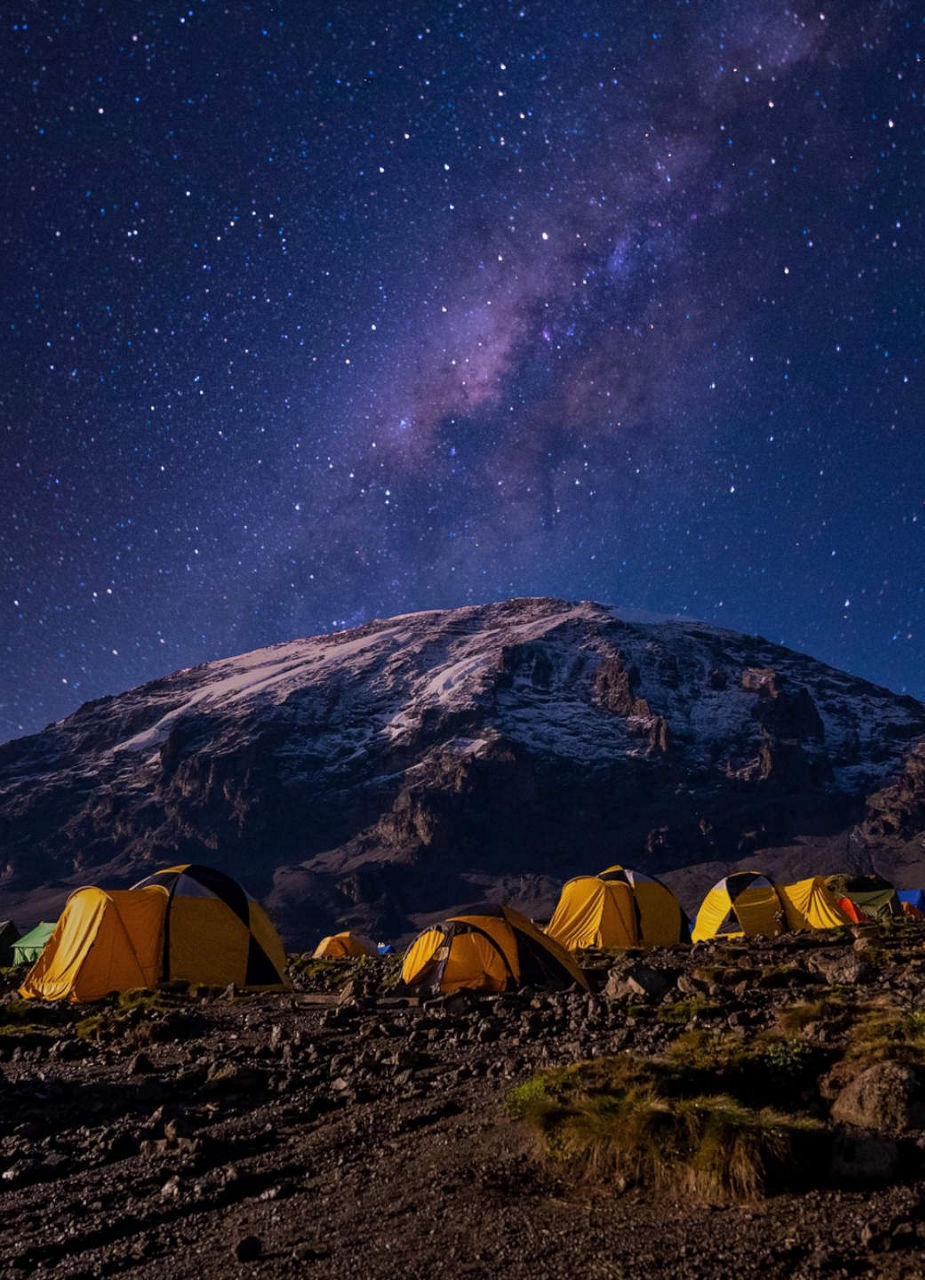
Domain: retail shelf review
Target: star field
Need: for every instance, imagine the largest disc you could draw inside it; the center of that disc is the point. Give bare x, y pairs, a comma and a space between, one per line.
317, 313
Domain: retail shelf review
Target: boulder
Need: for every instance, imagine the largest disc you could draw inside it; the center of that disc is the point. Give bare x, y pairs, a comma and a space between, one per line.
844, 968
638, 980
888, 1098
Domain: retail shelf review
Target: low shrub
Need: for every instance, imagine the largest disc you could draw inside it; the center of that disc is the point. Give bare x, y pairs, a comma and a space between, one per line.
787, 1060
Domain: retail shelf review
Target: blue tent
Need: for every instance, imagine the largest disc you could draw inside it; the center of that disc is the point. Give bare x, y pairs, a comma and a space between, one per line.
915, 898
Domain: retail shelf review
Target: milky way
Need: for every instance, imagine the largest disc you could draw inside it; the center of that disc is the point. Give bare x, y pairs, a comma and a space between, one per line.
316, 313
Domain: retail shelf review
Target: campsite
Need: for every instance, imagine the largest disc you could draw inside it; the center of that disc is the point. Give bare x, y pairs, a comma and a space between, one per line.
462, 719
476, 1099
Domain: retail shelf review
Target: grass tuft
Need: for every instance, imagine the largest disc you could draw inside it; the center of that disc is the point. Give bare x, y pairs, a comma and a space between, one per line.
148, 1014
834, 1008
683, 1011
633, 1122
886, 1032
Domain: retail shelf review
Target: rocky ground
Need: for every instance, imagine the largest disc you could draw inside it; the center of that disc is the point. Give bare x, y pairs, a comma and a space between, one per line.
342, 1129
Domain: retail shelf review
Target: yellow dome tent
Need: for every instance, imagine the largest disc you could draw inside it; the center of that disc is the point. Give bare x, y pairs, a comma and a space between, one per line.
186, 923
743, 903
338, 945
747, 903
811, 904
618, 908
487, 948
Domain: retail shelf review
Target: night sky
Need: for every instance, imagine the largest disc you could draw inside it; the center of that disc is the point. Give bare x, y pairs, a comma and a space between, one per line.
320, 312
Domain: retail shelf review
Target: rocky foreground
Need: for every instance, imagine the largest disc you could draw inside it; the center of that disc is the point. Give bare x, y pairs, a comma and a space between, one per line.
343, 1129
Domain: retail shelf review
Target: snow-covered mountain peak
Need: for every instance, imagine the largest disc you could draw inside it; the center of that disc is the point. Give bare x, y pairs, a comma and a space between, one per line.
411, 757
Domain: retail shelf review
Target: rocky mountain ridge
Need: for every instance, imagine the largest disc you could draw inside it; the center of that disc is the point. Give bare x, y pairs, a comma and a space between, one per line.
379, 776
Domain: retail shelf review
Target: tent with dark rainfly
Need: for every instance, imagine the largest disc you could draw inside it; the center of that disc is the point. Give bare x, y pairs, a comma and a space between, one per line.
338, 946
28, 948
742, 903
487, 948
8, 935
188, 923
872, 897
618, 908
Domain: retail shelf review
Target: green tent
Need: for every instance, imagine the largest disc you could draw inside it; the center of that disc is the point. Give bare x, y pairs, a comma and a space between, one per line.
873, 895
8, 935
29, 947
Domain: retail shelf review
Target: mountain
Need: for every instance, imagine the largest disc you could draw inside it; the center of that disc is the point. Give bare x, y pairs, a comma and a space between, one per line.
378, 776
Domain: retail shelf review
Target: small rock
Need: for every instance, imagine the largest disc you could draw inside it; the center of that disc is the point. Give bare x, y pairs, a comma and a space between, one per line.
279, 1191
140, 1065
489, 1031
234, 1078
865, 941
174, 1131
644, 980
689, 986
457, 1003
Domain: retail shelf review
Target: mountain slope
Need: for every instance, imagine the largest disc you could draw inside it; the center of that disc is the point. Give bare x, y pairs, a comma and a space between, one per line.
379, 775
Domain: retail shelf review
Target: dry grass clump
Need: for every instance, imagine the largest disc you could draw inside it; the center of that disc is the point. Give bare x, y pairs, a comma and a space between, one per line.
148, 1015
886, 1032
835, 1008
24, 1023
767, 1068
635, 1122
330, 974
870, 1030
325, 974
683, 1011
